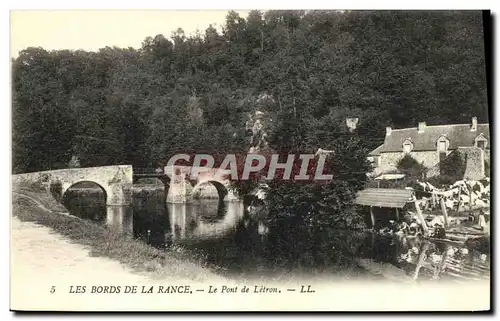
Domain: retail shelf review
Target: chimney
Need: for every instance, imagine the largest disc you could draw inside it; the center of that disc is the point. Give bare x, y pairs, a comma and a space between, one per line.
473, 128
388, 131
421, 127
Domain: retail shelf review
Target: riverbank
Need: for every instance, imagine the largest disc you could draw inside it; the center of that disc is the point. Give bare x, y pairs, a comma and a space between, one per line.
98, 241
49, 249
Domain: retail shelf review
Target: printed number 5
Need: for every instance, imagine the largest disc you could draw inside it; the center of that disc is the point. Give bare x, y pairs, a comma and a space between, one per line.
52, 289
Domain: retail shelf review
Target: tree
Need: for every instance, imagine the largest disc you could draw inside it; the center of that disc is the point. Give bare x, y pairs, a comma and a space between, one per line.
411, 167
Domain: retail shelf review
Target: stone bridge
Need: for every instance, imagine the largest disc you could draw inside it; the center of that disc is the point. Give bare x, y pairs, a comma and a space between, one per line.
115, 181
186, 180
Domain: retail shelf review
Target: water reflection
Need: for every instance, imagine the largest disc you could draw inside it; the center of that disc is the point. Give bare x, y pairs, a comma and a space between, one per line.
90, 204
423, 260
230, 241
120, 218
204, 219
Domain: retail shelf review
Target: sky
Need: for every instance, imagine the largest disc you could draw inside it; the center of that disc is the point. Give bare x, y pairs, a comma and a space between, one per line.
92, 30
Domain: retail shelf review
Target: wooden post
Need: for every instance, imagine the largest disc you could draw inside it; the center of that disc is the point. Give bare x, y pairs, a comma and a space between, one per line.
421, 258
397, 213
373, 242
445, 212
373, 217
470, 199
421, 218
433, 200
459, 195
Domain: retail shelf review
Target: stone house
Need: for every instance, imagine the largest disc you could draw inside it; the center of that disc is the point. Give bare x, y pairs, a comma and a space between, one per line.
431, 144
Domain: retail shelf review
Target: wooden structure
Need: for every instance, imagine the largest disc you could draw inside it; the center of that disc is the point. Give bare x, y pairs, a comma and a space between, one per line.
420, 216
384, 197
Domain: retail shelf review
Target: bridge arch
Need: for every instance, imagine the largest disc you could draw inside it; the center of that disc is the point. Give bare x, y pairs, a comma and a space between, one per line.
183, 182
222, 190
86, 199
84, 184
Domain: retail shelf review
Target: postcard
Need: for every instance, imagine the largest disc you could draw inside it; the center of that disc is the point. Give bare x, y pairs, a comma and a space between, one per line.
259, 160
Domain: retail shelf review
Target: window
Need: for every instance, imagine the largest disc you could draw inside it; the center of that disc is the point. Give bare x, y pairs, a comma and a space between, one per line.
442, 144
407, 148
481, 141
442, 147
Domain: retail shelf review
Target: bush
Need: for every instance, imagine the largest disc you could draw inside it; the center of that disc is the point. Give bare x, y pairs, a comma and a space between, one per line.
451, 169
442, 180
56, 190
453, 166
411, 167
35, 186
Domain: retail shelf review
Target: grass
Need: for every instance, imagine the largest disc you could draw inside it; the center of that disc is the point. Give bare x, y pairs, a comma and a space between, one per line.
104, 242
40, 194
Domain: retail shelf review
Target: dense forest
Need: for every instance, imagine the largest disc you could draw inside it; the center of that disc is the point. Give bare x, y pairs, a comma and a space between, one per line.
194, 93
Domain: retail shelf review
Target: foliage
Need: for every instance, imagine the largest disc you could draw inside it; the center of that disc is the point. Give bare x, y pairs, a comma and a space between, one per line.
56, 189
410, 167
451, 169
140, 106
442, 180
454, 166
398, 184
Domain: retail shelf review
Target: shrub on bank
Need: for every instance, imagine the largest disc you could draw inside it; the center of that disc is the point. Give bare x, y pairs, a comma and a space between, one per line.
56, 190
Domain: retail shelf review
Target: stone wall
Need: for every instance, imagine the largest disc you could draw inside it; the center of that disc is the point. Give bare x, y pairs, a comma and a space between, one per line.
475, 162
388, 161
475, 157
428, 158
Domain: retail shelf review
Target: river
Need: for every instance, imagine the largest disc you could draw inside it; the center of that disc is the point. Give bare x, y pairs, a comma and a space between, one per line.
223, 237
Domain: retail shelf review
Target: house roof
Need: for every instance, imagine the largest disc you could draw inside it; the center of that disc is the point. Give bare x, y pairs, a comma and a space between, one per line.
389, 176
459, 135
384, 197
376, 151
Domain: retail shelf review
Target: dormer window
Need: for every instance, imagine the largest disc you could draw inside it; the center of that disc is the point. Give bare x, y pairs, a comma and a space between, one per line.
407, 146
481, 142
443, 143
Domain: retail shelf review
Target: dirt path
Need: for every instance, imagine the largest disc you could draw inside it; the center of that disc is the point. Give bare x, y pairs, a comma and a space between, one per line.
38, 254
39, 258
46, 268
